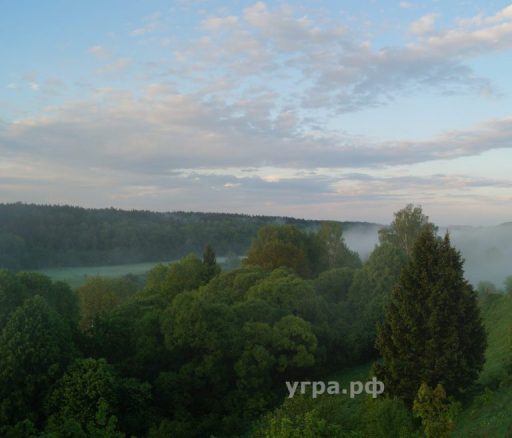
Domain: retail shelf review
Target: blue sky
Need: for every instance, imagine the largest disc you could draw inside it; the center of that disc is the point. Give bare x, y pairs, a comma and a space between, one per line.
328, 110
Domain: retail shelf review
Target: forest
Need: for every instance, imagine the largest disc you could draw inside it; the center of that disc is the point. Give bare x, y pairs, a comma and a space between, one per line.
197, 351
41, 236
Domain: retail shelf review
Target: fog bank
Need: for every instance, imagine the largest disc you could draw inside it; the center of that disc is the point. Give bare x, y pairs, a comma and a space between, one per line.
487, 250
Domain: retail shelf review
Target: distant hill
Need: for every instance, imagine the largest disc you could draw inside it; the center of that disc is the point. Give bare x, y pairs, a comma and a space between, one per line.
42, 236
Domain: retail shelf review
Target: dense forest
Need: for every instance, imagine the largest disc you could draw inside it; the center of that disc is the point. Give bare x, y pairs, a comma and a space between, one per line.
198, 352
41, 236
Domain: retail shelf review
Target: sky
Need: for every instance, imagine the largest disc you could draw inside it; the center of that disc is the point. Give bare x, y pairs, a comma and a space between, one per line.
342, 110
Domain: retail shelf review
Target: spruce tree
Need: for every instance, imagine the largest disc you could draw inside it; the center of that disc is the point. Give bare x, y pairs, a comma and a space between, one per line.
432, 331
210, 262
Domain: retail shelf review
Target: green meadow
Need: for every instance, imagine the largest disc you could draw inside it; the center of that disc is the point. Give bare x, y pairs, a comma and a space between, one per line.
77, 276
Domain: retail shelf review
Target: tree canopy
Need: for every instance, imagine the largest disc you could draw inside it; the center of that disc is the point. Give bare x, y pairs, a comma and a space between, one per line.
432, 332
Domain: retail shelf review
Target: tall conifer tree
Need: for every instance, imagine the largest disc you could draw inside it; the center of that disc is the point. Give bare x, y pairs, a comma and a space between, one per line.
432, 331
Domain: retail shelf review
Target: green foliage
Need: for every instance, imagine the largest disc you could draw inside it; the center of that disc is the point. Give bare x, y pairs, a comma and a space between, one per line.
287, 293
12, 294
311, 425
57, 294
387, 418
280, 246
103, 425
337, 253
432, 407
16, 288
100, 295
405, 228
235, 341
432, 331
334, 285
295, 343
35, 348
187, 274
369, 293
78, 392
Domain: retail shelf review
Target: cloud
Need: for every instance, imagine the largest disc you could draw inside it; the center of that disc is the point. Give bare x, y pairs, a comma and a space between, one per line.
169, 131
407, 5
151, 23
52, 87
219, 23
423, 25
98, 51
117, 66
319, 64
246, 115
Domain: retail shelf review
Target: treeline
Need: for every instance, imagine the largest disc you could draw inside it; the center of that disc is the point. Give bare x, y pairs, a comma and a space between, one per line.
199, 352
43, 236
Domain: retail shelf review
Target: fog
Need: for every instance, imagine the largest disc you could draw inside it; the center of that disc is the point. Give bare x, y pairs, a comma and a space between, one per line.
487, 250
362, 238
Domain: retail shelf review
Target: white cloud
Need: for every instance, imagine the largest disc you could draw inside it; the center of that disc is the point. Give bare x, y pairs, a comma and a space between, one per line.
151, 23
219, 23
407, 5
159, 133
117, 66
338, 70
98, 51
423, 25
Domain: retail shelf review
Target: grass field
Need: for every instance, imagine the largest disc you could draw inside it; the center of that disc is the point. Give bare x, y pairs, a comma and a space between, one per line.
489, 414
76, 276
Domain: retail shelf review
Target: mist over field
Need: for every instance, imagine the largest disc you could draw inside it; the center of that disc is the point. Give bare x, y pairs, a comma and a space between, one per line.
362, 239
487, 251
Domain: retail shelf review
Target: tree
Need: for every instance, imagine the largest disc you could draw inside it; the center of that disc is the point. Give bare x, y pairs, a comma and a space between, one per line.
57, 294
387, 417
337, 252
405, 228
210, 262
369, 293
186, 274
334, 284
35, 348
97, 295
77, 394
12, 295
432, 407
277, 246
432, 331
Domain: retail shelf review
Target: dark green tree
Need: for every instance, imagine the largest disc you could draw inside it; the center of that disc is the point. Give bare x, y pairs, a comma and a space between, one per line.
280, 246
186, 274
432, 331
35, 348
369, 293
12, 294
57, 294
210, 262
77, 394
